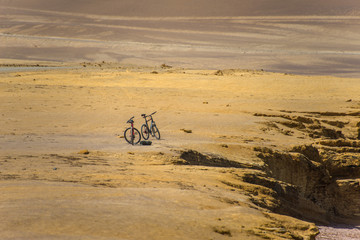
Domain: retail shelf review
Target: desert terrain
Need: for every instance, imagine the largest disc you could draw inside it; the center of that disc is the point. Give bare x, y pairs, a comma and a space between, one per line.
257, 105
299, 37
269, 155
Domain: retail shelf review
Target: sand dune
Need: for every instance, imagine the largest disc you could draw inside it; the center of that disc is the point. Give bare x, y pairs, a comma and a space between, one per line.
165, 8
304, 37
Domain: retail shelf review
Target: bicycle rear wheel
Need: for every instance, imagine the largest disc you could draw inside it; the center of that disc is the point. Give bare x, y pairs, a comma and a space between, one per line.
155, 131
132, 137
145, 132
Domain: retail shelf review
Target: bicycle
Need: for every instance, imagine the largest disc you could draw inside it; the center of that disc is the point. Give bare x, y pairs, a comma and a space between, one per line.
146, 130
131, 134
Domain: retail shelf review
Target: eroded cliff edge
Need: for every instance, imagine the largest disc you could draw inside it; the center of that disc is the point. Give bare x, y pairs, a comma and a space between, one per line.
317, 182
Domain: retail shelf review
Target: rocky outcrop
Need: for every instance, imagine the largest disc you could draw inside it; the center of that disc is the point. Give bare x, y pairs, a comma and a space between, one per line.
191, 157
309, 125
316, 185
305, 182
309, 151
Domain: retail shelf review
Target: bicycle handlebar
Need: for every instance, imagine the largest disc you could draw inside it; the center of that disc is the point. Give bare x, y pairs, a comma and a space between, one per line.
144, 115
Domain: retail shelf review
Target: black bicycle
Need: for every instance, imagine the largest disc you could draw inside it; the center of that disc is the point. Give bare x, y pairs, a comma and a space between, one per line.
131, 134
146, 130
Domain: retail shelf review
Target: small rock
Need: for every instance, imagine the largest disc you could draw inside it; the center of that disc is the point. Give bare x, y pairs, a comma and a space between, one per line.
219, 73
186, 130
85, 151
165, 66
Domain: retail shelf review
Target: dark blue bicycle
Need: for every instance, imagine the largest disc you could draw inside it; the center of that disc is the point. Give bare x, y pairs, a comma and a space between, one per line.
147, 129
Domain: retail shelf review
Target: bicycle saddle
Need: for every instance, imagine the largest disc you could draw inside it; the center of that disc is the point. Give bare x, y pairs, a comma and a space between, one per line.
130, 120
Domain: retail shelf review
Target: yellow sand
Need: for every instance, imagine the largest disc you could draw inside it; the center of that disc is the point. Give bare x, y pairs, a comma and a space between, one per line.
118, 191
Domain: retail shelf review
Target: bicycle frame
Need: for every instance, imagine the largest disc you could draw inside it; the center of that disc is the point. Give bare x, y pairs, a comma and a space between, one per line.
149, 127
148, 120
132, 129
131, 121
132, 132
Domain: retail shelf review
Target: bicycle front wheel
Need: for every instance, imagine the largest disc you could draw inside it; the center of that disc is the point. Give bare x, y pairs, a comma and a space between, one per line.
132, 136
155, 131
145, 132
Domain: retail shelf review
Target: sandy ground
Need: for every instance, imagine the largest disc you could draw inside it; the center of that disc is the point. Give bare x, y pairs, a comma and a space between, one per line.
118, 191
52, 108
297, 38
339, 232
